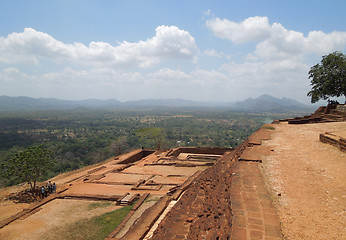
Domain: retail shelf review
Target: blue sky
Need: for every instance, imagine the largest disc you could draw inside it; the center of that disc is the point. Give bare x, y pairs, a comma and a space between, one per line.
196, 50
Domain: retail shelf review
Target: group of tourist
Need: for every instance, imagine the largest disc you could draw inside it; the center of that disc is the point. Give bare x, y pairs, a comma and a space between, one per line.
48, 189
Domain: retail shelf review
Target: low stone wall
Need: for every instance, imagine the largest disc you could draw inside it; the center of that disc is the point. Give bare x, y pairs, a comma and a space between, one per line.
137, 156
200, 150
335, 141
343, 144
204, 210
147, 219
128, 216
341, 108
330, 113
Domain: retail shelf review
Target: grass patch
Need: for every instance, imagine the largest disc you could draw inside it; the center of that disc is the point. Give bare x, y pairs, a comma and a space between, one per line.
109, 221
98, 205
268, 127
152, 199
96, 228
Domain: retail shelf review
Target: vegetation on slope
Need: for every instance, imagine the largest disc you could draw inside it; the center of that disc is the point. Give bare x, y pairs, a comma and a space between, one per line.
83, 137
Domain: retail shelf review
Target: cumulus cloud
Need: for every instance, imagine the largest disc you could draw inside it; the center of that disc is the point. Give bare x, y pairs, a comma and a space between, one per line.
277, 65
285, 43
279, 78
275, 41
213, 53
169, 42
169, 75
251, 29
231, 81
276, 71
13, 76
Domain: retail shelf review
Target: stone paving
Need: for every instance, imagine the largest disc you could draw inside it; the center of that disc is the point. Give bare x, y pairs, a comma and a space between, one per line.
254, 215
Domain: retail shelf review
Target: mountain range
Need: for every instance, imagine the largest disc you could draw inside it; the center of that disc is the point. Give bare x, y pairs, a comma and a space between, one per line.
267, 103
264, 103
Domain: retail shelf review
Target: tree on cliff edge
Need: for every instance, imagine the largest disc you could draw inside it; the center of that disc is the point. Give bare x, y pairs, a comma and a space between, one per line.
29, 165
328, 78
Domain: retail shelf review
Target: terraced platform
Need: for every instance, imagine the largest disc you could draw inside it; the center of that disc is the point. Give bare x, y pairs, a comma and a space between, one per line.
282, 183
121, 180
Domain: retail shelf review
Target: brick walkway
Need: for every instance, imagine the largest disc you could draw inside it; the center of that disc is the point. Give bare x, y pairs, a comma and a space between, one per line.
254, 215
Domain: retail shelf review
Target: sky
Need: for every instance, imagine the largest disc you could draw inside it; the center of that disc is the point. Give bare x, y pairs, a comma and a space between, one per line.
220, 50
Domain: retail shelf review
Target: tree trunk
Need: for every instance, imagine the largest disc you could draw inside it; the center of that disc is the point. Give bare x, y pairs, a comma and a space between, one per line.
33, 190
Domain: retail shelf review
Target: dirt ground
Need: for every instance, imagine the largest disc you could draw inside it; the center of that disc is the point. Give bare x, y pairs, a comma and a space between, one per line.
8, 208
308, 181
60, 213
55, 214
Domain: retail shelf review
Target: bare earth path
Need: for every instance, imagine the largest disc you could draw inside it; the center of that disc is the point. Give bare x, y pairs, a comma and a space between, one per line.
308, 181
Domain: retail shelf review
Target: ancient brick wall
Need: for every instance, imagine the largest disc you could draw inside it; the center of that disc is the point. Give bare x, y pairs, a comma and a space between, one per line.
337, 142
204, 211
341, 108
200, 150
137, 156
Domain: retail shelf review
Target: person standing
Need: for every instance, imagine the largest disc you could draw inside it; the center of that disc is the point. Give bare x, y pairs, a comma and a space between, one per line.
46, 190
42, 192
50, 187
54, 188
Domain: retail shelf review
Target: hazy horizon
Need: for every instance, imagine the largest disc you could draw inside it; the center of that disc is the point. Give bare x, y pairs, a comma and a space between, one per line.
321, 102
204, 51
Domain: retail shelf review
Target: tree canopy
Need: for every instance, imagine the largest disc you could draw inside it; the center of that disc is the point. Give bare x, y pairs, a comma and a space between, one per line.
328, 78
152, 133
29, 165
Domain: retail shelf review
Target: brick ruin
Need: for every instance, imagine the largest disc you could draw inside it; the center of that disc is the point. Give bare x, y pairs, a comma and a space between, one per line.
203, 193
133, 177
325, 114
336, 139
330, 113
227, 201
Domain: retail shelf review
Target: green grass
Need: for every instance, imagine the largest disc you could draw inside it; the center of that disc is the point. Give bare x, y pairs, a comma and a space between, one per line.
109, 221
270, 128
152, 199
96, 228
98, 205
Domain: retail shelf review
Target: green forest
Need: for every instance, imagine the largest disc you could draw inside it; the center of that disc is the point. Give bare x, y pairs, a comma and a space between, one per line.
82, 137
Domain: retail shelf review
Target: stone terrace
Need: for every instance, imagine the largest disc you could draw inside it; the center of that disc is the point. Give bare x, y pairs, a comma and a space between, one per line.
227, 201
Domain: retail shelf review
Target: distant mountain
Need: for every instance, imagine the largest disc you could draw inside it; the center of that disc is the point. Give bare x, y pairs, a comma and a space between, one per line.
267, 103
31, 104
159, 102
264, 103
175, 103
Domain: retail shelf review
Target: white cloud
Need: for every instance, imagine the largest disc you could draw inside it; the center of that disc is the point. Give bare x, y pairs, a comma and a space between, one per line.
279, 78
13, 76
259, 72
277, 65
170, 42
169, 75
275, 41
233, 81
251, 29
285, 43
213, 53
